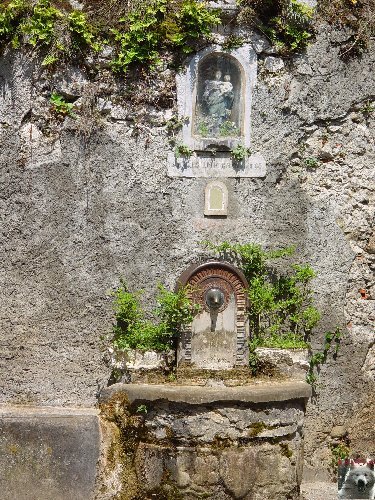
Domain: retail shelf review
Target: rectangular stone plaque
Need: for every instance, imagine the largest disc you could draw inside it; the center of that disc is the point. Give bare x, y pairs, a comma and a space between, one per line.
205, 166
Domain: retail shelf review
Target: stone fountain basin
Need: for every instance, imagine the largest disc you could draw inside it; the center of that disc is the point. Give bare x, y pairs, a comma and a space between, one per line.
243, 442
262, 393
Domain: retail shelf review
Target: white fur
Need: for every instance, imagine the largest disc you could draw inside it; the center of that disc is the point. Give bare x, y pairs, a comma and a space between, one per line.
359, 475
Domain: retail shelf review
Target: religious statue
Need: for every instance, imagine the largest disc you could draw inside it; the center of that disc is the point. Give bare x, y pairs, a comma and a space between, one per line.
216, 107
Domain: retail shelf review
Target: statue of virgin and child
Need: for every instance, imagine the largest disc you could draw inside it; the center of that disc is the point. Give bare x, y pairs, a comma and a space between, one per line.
217, 102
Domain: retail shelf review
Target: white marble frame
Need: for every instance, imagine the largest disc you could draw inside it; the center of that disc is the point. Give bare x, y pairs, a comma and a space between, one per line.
201, 164
187, 82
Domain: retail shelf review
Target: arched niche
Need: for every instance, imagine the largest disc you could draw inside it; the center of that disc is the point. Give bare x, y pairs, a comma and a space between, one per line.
218, 111
202, 93
215, 199
217, 338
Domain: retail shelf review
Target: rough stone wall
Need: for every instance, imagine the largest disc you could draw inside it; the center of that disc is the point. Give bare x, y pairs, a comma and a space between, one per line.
84, 201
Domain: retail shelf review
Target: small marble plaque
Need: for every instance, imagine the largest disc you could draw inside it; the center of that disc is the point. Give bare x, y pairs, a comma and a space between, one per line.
216, 199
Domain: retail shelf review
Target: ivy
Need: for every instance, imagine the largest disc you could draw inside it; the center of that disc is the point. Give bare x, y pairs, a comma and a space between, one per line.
332, 339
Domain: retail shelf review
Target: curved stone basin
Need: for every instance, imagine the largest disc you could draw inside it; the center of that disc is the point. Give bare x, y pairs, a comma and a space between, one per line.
208, 442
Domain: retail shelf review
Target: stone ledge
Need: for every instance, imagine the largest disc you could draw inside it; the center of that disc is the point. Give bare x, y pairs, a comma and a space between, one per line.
25, 411
195, 395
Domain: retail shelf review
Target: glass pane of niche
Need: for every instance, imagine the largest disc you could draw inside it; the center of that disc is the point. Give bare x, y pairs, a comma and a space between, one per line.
218, 112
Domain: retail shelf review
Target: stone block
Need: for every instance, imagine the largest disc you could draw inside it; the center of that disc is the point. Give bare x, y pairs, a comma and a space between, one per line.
48, 453
238, 471
289, 362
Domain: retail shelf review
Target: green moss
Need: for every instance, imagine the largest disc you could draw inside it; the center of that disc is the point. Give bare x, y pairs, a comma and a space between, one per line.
130, 430
256, 428
285, 450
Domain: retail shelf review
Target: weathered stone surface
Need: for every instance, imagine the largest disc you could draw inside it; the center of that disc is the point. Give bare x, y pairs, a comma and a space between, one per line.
72, 223
290, 362
134, 359
239, 470
48, 453
274, 391
273, 64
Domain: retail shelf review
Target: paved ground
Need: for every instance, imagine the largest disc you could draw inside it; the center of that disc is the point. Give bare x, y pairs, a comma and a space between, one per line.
319, 491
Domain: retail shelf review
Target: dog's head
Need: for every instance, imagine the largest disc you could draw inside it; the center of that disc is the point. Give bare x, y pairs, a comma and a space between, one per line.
362, 474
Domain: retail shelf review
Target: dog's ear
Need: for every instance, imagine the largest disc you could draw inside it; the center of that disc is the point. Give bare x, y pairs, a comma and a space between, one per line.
370, 464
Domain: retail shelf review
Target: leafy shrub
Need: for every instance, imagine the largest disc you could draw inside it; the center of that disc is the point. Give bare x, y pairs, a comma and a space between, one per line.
10, 16
148, 28
133, 330
281, 311
39, 27
83, 32
159, 25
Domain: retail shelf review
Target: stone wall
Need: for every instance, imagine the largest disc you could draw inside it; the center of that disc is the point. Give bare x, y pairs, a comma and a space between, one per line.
84, 201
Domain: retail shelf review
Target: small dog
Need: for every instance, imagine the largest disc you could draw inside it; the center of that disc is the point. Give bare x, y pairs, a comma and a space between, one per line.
359, 481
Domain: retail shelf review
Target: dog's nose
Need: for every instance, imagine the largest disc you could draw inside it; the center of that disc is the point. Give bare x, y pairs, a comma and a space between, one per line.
361, 484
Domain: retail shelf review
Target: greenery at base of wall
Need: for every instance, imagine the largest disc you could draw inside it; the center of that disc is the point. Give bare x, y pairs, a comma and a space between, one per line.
133, 330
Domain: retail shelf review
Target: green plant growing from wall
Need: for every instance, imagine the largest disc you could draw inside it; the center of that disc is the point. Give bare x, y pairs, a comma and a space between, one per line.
331, 340
83, 32
311, 162
233, 42
10, 16
228, 129
184, 151
60, 106
160, 25
287, 23
39, 27
133, 330
240, 152
282, 312
147, 29
340, 451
